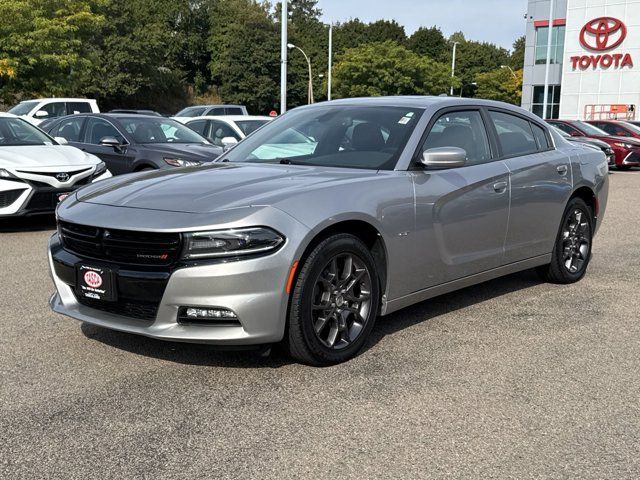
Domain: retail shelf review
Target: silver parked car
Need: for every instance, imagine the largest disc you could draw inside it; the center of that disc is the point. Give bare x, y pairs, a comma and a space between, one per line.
326, 218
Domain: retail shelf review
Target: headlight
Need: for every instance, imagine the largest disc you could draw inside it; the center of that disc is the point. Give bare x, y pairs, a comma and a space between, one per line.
177, 162
624, 145
100, 169
231, 243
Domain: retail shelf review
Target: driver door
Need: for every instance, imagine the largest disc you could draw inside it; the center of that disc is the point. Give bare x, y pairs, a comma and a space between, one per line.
118, 160
461, 213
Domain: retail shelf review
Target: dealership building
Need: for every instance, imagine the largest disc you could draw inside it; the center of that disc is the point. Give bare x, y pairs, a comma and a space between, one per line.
594, 59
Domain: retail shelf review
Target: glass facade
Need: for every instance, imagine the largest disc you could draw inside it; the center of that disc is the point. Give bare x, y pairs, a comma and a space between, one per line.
553, 105
557, 44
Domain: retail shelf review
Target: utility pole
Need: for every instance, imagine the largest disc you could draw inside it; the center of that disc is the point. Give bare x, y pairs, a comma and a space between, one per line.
283, 58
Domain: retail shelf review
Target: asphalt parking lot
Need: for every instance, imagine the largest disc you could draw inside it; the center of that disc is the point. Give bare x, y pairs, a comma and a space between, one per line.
510, 379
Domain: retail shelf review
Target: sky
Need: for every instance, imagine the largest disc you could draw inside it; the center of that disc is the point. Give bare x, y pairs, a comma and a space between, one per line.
495, 21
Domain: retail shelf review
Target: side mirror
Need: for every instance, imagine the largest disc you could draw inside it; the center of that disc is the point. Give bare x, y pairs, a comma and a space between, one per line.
443, 157
229, 141
61, 140
112, 142
575, 134
41, 114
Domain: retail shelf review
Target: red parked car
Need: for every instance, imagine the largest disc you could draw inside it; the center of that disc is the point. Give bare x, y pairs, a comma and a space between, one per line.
618, 128
627, 149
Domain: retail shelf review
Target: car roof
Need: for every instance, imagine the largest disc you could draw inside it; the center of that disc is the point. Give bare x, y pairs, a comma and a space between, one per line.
231, 118
7, 115
214, 105
61, 99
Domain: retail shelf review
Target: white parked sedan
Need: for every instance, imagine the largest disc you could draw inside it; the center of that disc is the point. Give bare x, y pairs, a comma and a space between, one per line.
36, 171
227, 130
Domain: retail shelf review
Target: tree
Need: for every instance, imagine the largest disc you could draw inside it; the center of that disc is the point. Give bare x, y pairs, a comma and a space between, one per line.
244, 46
473, 58
500, 84
430, 42
383, 30
516, 61
386, 68
48, 46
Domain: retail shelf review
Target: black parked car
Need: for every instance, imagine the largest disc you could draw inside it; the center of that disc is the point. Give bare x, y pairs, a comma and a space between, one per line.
132, 143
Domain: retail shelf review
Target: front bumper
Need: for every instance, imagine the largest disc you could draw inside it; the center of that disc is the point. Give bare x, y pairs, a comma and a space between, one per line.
253, 288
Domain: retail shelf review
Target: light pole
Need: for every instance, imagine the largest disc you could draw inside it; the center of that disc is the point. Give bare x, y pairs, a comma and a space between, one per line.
545, 102
510, 69
283, 58
330, 61
310, 89
453, 65
472, 84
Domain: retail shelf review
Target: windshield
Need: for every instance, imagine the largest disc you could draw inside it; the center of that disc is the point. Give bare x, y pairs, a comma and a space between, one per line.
17, 132
333, 136
590, 129
250, 126
562, 133
634, 128
191, 112
159, 130
24, 108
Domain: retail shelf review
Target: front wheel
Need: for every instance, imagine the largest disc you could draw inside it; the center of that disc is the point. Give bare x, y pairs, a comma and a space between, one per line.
334, 303
572, 251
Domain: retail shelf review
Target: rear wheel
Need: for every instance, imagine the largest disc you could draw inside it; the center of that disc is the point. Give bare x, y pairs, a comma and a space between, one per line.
572, 251
334, 303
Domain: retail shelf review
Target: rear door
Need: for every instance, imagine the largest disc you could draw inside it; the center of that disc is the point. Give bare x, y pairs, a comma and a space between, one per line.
541, 184
461, 213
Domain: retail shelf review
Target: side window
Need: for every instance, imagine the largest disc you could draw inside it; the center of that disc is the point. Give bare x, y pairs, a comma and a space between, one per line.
98, 128
78, 107
541, 137
54, 110
198, 126
216, 111
219, 130
463, 130
233, 111
514, 133
69, 129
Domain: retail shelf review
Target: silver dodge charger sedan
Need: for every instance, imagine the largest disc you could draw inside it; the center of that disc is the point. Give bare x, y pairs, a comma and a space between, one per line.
326, 218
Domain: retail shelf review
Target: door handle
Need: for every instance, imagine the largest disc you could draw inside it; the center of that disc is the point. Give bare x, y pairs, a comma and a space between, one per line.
562, 169
500, 186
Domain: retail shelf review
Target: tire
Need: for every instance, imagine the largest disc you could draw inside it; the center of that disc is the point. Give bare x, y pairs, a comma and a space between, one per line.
572, 250
346, 307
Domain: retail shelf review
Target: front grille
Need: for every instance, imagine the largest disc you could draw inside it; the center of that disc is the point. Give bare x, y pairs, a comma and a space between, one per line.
137, 309
121, 246
45, 200
53, 174
8, 197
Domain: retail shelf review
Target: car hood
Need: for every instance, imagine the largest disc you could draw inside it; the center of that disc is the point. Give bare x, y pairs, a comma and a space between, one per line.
216, 187
186, 151
44, 156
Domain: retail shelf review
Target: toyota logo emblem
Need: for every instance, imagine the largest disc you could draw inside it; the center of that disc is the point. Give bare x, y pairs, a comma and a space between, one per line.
62, 177
603, 33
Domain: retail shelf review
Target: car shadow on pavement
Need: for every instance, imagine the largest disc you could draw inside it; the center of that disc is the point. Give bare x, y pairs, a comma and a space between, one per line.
451, 302
207, 355
33, 223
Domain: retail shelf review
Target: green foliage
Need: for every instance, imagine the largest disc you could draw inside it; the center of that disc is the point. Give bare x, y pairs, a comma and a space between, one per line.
502, 84
49, 45
387, 68
245, 50
161, 53
430, 42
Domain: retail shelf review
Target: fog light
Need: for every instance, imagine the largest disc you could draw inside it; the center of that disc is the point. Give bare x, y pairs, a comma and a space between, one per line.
209, 313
